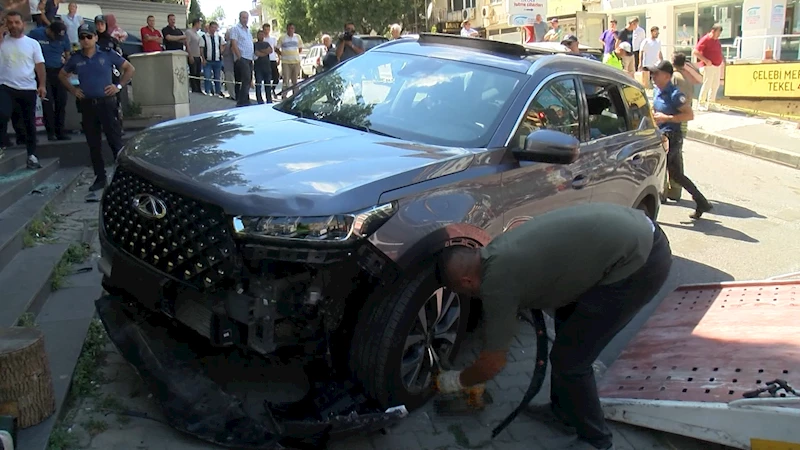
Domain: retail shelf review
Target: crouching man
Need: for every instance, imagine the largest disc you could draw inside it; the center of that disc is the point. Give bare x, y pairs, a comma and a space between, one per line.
596, 266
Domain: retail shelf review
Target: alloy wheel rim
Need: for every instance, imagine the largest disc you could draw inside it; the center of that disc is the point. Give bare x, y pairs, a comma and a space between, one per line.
431, 339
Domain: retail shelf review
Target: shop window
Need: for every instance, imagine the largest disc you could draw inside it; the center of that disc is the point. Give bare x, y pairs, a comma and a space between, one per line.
606, 113
638, 108
555, 107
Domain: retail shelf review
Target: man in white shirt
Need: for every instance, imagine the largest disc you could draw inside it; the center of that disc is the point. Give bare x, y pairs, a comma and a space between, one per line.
212, 45
241, 43
638, 36
467, 31
650, 50
73, 21
273, 57
21, 65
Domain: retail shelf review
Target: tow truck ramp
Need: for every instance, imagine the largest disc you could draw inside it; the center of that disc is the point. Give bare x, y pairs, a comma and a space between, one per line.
716, 362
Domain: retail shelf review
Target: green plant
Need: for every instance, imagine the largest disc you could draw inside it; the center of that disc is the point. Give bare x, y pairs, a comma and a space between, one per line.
26, 320
61, 439
87, 373
75, 254
94, 426
41, 227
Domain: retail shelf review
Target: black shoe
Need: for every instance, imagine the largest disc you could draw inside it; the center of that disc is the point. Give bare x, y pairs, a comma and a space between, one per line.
702, 207
64, 137
99, 183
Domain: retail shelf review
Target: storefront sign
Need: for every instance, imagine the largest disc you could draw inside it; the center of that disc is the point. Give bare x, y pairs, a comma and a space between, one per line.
523, 12
763, 80
753, 15
778, 16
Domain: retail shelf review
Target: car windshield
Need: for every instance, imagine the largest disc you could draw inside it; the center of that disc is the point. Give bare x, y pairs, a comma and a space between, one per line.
415, 98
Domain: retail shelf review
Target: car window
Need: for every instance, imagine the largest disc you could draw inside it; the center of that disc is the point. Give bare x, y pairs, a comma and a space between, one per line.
606, 114
555, 107
416, 98
638, 108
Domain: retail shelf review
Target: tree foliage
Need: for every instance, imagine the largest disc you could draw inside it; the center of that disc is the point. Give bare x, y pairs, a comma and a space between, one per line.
313, 17
218, 15
194, 13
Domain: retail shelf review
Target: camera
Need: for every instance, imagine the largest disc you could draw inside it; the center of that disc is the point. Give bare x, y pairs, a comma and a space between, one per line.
347, 36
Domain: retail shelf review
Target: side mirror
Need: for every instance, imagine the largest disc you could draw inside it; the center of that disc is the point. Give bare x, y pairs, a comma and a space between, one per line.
548, 146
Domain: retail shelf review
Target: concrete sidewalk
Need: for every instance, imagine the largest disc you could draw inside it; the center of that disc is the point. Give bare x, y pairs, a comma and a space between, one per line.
770, 139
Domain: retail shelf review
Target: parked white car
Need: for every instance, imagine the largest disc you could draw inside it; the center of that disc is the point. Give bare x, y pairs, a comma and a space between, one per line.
312, 61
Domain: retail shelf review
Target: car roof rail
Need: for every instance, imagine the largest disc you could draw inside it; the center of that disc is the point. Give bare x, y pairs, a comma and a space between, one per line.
475, 43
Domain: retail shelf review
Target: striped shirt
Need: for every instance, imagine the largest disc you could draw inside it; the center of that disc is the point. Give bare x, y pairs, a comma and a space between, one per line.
290, 48
244, 41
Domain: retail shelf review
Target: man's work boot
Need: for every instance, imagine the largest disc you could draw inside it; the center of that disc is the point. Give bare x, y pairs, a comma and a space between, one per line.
703, 206
548, 415
99, 183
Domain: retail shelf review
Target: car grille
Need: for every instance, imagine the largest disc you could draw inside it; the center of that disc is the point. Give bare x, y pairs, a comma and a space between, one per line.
191, 243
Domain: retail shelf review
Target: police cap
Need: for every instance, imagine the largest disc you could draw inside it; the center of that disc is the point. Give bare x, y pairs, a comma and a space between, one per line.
661, 66
87, 29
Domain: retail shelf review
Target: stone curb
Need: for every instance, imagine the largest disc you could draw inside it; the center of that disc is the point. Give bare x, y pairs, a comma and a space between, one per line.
765, 152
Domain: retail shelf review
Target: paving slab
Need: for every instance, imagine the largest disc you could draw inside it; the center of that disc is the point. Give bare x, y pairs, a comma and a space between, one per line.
25, 281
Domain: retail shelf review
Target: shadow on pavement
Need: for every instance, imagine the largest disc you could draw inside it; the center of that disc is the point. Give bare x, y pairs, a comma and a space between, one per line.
683, 272
726, 210
711, 227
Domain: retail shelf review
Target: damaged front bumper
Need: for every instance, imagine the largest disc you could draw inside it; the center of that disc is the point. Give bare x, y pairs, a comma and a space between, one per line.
194, 403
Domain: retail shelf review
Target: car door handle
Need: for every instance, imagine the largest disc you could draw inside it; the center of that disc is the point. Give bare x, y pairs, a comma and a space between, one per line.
637, 160
580, 182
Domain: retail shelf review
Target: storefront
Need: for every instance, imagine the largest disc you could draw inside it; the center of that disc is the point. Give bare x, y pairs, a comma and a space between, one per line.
683, 22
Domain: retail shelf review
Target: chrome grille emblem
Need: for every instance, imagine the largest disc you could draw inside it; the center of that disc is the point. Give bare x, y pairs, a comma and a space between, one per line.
149, 206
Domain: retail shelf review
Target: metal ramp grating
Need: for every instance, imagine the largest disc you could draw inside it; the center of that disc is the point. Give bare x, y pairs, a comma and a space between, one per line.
712, 343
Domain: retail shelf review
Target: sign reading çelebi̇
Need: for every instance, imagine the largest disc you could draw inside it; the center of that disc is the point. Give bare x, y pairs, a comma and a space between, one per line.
780, 80
524, 12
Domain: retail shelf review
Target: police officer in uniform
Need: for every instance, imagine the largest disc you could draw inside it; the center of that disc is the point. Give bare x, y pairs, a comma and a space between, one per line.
672, 108
108, 43
97, 97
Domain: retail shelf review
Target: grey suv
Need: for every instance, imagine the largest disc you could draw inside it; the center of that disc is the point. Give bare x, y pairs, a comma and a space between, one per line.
309, 228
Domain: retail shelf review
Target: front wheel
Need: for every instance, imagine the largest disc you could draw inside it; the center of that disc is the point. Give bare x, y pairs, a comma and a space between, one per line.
400, 336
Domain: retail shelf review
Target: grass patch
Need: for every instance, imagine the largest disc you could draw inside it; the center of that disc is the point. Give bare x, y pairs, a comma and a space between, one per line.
87, 371
61, 439
75, 254
41, 227
94, 426
26, 320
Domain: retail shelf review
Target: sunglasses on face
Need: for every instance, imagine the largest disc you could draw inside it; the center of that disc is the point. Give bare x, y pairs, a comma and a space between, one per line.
85, 36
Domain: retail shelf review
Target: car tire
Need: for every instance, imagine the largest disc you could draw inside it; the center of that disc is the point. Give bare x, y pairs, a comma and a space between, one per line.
645, 207
388, 322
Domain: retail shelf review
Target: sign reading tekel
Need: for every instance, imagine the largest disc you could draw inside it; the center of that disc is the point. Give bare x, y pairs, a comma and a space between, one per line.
524, 12
763, 80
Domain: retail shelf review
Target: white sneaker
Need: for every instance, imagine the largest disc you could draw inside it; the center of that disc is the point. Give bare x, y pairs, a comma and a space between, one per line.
33, 162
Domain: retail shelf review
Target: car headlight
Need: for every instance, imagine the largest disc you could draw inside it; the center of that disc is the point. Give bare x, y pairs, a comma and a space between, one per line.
334, 228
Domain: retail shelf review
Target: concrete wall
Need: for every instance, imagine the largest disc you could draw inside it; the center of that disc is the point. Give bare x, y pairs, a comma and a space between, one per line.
132, 14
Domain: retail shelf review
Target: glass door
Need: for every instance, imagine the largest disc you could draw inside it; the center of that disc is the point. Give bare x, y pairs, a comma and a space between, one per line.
685, 30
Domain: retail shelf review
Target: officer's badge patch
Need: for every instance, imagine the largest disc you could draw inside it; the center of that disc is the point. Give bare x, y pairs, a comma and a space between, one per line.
103, 62
682, 99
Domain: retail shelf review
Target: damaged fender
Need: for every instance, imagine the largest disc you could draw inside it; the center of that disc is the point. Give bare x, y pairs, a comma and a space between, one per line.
195, 404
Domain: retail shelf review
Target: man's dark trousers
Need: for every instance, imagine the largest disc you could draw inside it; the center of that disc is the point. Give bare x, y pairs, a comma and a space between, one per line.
196, 72
675, 166
54, 108
263, 74
99, 115
21, 102
585, 327
243, 72
275, 75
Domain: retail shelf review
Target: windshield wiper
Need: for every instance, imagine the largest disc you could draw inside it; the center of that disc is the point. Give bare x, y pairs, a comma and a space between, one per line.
358, 127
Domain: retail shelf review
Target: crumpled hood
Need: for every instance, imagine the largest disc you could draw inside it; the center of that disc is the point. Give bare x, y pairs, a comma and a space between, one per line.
294, 165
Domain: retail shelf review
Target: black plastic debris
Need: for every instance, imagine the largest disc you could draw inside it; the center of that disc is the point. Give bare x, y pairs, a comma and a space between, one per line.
171, 366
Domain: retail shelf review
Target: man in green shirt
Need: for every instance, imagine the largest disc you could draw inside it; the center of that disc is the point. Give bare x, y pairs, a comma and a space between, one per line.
595, 266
